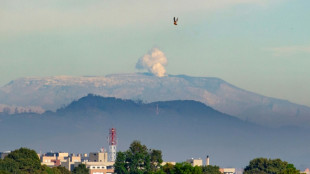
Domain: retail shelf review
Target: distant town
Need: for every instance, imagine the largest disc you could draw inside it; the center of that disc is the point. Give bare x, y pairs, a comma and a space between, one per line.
99, 162
104, 161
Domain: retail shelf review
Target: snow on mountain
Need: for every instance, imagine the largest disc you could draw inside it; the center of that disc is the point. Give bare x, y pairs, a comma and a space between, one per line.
51, 93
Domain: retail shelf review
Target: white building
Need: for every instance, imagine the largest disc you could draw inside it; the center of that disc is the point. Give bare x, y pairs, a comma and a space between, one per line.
195, 162
228, 170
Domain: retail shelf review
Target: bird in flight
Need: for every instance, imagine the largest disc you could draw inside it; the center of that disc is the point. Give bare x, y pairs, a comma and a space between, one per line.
175, 20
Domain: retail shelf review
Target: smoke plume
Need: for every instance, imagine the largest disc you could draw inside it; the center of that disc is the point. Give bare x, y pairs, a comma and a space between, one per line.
154, 61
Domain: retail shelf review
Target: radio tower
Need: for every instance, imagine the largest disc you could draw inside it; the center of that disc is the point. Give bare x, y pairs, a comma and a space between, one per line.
157, 110
112, 145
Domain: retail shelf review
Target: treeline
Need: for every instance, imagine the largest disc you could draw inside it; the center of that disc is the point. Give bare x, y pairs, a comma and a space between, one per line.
26, 161
138, 159
270, 166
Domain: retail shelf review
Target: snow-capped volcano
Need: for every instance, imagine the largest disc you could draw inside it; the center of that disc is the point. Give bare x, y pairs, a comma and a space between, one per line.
51, 93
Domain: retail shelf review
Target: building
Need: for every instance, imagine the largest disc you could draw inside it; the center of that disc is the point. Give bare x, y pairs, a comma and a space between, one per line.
100, 167
74, 158
52, 159
307, 171
4, 154
98, 157
100, 170
96, 162
207, 160
48, 160
168, 162
94, 167
228, 170
56, 163
195, 162
72, 161
62, 156
70, 165
84, 157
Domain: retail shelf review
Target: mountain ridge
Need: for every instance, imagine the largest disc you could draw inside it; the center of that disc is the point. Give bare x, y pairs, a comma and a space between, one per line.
51, 93
181, 129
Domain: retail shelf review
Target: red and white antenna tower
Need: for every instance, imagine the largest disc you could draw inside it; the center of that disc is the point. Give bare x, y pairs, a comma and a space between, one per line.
112, 144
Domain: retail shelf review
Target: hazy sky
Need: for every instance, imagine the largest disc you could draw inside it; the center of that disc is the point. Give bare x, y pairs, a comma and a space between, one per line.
259, 45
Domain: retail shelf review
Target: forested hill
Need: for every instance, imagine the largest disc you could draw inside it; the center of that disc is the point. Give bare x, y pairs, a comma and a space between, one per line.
50, 93
110, 104
182, 129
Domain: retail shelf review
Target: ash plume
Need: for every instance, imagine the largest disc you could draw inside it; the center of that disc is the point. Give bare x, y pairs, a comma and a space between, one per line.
154, 62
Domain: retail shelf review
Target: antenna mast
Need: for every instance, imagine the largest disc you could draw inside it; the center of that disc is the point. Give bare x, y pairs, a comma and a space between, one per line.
157, 110
112, 144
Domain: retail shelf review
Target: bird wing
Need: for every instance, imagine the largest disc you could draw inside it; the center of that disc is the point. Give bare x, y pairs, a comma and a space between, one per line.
177, 19
173, 19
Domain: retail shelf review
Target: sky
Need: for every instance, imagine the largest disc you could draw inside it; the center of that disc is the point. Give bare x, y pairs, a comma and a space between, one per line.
259, 45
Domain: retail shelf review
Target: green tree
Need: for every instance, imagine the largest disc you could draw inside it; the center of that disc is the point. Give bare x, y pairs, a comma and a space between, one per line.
269, 166
156, 159
80, 169
63, 170
210, 169
168, 168
290, 169
49, 170
9, 165
22, 160
121, 165
138, 159
54, 170
181, 168
4, 172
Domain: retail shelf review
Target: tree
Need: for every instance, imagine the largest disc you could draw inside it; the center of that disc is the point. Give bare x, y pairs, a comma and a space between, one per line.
269, 166
9, 165
4, 172
290, 169
181, 168
121, 165
48, 170
22, 160
168, 168
63, 170
156, 159
186, 168
210, 169
80, 169
54, 170
138, 159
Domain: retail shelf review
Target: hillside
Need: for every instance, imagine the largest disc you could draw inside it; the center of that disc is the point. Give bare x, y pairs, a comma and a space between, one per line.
51, 93
181, 129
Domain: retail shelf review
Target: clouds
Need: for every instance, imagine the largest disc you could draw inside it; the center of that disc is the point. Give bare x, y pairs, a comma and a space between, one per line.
290, 50
154, 62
